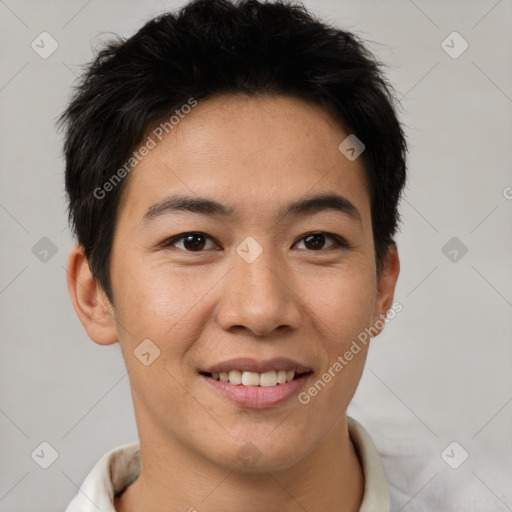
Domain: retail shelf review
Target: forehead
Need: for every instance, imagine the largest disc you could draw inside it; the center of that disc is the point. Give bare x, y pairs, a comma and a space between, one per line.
249, 153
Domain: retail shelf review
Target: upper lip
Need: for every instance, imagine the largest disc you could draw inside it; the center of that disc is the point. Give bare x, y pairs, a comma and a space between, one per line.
248, 364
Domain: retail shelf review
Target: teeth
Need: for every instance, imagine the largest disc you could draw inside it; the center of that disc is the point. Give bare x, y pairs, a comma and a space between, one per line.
250, 379
268, 379
281, 376
235, 377
265, 379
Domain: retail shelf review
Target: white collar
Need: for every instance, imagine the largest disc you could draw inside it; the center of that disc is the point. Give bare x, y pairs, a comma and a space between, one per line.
119, 467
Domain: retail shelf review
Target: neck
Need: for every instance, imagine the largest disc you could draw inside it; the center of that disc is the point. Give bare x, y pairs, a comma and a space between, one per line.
172, 479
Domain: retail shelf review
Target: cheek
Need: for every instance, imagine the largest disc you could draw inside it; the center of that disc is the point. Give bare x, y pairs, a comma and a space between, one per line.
153, 300
157, 315
342, 309
342, 304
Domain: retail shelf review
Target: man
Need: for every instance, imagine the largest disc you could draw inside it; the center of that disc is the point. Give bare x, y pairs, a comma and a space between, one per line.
233, 174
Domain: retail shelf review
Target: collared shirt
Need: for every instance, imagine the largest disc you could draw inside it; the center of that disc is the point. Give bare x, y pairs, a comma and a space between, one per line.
118, 468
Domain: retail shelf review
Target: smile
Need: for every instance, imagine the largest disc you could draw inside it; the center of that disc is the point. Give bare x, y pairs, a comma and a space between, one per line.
257, 396
245, 378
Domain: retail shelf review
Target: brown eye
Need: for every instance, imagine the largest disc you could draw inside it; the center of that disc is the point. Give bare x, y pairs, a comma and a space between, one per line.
192, 242
316, 241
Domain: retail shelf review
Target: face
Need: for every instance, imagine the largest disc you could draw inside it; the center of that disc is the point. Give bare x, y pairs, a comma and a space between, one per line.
246, 282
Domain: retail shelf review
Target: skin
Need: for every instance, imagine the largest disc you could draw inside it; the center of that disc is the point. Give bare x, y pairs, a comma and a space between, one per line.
203, 307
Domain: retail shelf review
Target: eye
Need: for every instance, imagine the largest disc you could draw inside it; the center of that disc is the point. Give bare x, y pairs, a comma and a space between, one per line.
316, 241
197, 241
192, 242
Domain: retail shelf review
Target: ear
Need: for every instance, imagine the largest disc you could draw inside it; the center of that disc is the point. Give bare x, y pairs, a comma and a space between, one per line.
386, 288
89, 300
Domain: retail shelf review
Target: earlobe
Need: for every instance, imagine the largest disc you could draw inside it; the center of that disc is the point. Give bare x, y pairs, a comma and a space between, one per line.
386, 287
89, 300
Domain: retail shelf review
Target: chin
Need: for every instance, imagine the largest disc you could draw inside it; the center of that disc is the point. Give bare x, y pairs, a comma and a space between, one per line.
262, 454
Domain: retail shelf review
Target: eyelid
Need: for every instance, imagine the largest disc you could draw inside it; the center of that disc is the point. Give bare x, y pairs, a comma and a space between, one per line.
169, 241
340, 242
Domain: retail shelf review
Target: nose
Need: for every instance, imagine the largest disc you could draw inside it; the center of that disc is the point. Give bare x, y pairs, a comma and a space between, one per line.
258, 297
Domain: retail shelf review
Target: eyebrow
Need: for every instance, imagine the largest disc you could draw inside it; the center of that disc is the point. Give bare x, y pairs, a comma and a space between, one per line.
205, 206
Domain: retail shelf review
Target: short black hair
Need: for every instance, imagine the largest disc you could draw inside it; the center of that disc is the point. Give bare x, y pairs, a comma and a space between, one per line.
214, 47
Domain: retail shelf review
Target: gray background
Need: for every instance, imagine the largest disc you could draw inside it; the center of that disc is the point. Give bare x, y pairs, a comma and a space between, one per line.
439, 373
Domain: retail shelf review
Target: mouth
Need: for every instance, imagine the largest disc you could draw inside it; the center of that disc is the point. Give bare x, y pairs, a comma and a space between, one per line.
255, 379
257, 384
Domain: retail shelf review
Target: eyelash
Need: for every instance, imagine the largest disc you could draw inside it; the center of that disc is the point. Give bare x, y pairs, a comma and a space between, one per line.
340, 243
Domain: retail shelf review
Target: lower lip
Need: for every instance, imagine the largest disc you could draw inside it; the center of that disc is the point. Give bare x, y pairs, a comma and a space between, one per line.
258, 397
